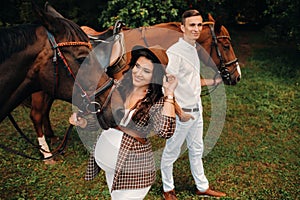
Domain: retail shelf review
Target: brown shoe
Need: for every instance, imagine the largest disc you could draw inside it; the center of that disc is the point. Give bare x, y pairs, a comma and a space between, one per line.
170, 195
210, 192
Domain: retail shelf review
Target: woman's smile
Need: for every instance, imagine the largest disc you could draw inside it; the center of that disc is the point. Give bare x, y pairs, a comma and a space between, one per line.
142, 72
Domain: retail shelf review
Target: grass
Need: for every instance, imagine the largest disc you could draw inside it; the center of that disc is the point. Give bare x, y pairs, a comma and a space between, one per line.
256, 156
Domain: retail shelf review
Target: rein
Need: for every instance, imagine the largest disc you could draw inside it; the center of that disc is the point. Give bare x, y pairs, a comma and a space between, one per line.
59, 149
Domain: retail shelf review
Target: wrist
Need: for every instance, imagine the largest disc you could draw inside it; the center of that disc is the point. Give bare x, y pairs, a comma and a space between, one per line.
169, 101
214, 82
169, 97
168, 92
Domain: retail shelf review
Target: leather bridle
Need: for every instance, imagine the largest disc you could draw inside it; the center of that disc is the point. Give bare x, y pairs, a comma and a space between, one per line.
87, 103
223, 67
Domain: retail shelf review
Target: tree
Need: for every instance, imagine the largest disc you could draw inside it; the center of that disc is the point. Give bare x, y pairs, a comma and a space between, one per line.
10, 12
136, 13
284, 21
14, 12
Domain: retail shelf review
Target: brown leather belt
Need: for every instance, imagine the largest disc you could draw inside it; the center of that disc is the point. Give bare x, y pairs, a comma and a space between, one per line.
132, 133
190, 109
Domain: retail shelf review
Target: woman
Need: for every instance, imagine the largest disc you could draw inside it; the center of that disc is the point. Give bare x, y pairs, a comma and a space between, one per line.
124, 152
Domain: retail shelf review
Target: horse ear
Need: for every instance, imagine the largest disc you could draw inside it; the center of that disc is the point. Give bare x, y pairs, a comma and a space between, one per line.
217, 23
47, 19
49, 9
210, 18
37, 9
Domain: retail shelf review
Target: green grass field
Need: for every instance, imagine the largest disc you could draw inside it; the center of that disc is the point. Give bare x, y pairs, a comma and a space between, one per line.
256, 156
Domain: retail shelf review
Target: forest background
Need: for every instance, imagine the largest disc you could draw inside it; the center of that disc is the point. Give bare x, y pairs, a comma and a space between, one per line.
278, 18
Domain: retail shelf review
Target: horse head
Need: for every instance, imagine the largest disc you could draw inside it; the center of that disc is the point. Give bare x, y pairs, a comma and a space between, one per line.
70, 71
216, 40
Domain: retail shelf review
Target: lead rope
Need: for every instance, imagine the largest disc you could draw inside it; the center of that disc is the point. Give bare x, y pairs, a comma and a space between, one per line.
57, 151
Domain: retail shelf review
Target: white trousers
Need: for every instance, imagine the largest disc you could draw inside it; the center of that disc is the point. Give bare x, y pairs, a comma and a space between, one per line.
192, 132
132, 194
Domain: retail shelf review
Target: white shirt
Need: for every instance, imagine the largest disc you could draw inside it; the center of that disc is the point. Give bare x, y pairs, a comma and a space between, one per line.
184, 63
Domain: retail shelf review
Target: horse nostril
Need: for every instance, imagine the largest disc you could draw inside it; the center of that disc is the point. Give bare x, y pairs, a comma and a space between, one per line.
238, 78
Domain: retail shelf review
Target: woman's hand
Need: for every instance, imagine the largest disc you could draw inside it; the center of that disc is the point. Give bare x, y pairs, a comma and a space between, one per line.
170, 82
77, 121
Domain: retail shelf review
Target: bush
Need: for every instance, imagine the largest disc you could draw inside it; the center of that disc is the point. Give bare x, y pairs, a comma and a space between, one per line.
138, 13
284, 20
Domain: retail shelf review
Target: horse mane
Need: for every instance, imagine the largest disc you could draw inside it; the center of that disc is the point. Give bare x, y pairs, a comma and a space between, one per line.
70, 30
16, 39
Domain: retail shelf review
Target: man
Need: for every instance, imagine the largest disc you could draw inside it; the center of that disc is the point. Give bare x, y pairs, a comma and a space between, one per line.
184, 63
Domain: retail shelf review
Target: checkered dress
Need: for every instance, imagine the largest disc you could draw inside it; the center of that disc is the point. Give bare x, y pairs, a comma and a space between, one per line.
135, 166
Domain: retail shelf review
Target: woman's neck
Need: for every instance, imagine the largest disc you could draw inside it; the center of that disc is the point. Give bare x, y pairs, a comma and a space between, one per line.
139, 90
136, 94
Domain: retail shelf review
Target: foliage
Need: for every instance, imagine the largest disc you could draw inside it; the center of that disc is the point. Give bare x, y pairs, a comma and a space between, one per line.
280, 17
245, 12
284, 21
14, 12
138, 13
83, 13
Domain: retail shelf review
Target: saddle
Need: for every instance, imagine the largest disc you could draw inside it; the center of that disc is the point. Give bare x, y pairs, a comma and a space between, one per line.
110, 50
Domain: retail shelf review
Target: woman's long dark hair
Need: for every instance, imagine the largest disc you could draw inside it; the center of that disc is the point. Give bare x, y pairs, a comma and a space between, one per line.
154, 92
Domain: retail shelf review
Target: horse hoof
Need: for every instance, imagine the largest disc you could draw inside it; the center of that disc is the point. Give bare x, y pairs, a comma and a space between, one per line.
50, 162
54, 140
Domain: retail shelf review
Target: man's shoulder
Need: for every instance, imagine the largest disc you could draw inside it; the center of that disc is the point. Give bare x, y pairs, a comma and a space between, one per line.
175, 47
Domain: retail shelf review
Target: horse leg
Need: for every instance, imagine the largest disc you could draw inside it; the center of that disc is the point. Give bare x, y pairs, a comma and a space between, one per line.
36, 116
49, 133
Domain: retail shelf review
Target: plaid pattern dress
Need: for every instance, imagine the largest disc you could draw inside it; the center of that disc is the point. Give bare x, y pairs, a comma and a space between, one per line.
135, 166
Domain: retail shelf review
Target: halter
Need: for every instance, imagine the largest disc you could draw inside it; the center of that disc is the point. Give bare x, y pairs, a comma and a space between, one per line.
223, 67
86, 98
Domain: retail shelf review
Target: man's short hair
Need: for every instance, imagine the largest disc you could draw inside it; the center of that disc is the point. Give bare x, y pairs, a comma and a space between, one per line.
189, 13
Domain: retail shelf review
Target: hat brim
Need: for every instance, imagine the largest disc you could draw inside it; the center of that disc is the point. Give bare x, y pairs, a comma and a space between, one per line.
157, 52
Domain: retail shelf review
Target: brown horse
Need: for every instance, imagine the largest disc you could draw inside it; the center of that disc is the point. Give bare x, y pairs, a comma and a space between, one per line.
214, 38
47, 57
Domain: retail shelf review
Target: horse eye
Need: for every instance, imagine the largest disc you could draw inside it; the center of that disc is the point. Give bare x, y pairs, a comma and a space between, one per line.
80, 60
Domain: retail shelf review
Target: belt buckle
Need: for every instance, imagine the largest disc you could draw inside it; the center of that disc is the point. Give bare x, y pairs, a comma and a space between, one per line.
195, 109
190, 109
